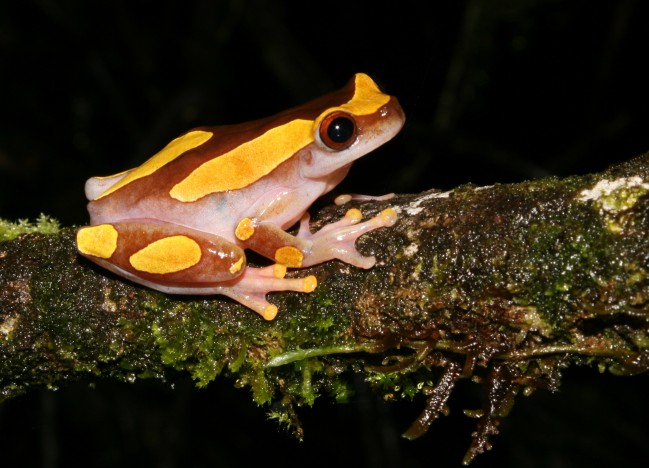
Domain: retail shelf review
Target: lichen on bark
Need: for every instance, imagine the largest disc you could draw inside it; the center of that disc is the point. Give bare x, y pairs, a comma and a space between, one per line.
504, 285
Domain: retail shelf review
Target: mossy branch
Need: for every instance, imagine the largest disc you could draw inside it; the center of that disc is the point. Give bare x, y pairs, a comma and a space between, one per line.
507, 284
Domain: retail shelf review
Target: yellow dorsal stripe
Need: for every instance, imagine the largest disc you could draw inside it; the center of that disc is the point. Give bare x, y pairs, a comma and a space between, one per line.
246, 163
170, 152
367, 99
254, 159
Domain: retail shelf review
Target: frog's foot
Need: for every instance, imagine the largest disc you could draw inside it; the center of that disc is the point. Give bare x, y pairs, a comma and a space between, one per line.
346, 198
251, 286
336, 240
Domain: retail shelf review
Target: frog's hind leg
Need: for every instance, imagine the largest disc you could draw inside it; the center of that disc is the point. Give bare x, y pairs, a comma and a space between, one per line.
179, 260
163, 256
251, 287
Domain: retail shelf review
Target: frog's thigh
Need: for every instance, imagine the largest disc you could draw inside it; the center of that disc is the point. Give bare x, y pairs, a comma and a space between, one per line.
251, 287
164, 254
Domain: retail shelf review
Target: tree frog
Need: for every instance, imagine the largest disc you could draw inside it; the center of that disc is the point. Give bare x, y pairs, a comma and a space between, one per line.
181, 221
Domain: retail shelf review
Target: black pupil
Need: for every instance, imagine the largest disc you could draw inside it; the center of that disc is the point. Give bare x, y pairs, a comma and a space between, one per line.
341, 129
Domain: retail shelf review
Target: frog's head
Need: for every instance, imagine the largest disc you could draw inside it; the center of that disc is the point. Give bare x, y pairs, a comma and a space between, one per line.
356, 119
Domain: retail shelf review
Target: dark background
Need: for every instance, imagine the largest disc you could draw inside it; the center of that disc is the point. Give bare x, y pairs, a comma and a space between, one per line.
495, 91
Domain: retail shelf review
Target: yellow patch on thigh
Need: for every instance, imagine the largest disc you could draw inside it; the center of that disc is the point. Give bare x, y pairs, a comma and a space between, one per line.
168, 255
98, 241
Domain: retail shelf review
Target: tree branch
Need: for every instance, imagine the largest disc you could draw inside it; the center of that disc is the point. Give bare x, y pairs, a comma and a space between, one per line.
507, 284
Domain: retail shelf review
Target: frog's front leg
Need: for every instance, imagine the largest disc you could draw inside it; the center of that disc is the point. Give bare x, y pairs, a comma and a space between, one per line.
340, 200
335, 240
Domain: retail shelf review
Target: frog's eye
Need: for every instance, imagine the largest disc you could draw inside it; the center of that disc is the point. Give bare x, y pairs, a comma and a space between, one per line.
338, 130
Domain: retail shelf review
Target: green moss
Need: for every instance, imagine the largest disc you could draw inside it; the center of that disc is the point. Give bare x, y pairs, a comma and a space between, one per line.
341, 391
262, 389
239, 360
306, 389
614, 197
402, 385
44, 225
187, 340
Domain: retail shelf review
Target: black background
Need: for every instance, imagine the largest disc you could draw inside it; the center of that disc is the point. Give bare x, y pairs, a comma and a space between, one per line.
494, 91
